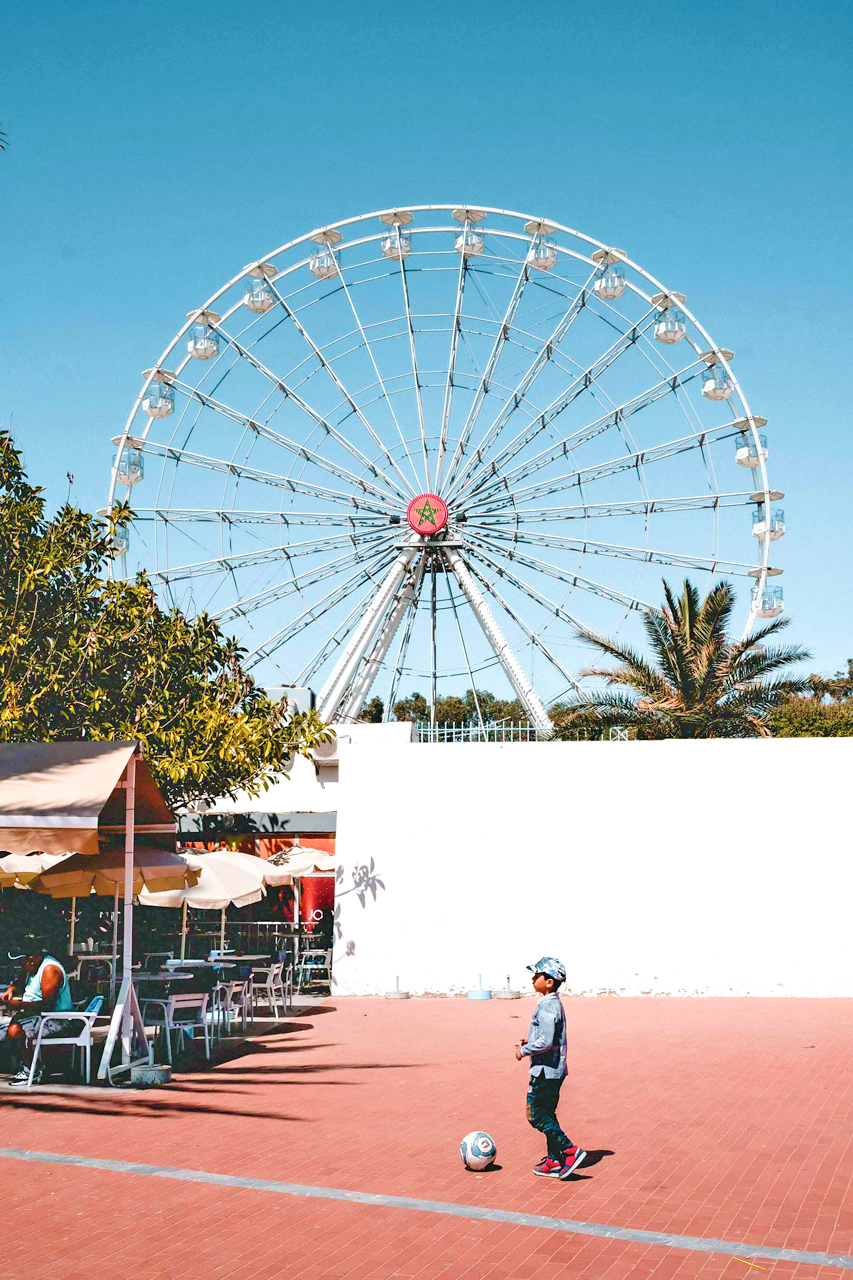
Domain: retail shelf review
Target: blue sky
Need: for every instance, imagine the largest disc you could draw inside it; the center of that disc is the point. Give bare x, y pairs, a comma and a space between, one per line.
156, 148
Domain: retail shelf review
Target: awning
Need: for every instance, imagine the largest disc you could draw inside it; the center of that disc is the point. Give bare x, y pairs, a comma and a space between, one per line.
54, 796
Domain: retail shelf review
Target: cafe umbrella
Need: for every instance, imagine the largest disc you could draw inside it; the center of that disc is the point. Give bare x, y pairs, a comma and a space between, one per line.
222, 882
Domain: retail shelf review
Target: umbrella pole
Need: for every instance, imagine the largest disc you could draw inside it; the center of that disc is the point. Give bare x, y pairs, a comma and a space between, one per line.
127, 956
297, 891
222, 933
115, 949
184, 930
73, 922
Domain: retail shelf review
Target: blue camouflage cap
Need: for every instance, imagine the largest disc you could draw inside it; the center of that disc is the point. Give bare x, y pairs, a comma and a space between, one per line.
551, 967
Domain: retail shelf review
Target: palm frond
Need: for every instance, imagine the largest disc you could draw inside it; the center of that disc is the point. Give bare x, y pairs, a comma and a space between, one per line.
628, 657
660, 629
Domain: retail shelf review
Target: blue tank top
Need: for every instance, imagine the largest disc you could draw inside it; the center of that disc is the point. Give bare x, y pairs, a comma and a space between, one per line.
32, 991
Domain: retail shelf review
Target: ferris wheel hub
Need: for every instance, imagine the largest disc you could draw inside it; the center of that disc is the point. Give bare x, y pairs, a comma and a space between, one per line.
427, 514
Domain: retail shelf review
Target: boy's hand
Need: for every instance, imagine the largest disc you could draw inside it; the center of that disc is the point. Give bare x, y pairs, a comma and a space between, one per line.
519, 1055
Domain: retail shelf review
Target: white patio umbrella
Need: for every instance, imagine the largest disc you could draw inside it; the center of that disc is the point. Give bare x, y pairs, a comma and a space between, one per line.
272, 873
222, 883
301, 860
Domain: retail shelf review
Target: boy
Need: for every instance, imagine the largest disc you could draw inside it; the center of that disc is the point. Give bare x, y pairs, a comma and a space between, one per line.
545, 1046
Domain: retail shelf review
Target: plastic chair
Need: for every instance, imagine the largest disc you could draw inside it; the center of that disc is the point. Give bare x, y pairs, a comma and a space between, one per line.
316, 963
82, 1040
234, 1002
192, 1008
268, 988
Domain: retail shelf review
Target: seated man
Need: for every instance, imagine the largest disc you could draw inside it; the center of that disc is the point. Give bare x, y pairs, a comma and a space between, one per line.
46, 989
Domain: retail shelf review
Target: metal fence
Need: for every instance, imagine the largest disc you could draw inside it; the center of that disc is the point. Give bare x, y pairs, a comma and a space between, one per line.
504, 731
491, 731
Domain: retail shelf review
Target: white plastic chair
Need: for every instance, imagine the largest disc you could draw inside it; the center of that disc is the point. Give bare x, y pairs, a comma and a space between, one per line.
268, 988
85, 1018
192, 1008
234, 1002
316, 963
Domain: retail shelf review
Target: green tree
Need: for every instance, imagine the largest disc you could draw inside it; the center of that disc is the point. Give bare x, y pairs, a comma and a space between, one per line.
811, 718
455, 710
415, 707
700, 683
371, 712
83, 657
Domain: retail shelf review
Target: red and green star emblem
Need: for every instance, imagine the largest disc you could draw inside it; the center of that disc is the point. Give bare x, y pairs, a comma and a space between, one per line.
427, 514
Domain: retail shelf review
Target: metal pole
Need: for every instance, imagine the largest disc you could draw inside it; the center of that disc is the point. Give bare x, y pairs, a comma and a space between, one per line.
296, 914
222, 933
73, 923
184, 930
127, 956
113, 974
523, 689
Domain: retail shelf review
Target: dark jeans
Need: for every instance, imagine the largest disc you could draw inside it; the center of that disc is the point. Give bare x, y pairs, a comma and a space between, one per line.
542, 1098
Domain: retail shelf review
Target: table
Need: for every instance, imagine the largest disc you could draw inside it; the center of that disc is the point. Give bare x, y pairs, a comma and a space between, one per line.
172, 965
160, 977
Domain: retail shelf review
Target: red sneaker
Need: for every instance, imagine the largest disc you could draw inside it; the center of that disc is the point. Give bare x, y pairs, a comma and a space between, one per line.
548, 1168
571, 1159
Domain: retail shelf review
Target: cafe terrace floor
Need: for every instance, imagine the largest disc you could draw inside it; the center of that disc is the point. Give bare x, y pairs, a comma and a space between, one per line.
327, 1146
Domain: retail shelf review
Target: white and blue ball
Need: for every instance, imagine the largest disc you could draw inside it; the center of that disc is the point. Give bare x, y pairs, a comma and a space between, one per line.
478, 1150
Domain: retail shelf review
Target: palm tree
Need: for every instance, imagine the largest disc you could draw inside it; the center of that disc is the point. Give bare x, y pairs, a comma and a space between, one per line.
701, 683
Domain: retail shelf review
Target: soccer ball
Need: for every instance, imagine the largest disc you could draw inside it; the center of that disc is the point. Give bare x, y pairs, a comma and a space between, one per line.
478, 1150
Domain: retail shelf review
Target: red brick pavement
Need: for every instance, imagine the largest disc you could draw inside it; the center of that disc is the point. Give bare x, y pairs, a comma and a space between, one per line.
726, 1118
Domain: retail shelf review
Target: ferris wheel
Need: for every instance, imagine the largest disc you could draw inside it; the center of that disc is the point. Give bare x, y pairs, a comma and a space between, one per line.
416, 448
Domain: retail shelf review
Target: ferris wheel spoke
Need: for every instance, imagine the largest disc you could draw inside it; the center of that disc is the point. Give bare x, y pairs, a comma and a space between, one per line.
592, 510
356, 409
526, 381
518, 681
372, 359
365, 676
584, 546
298, 583
414, 355
613, 419
628, 462
334, 641
242, 472
481, 469
249, 559
451, 367
301, 451
561, 575
519, 621
405, 638
465, 655
229, 516
491, 366
433, 644
315, 611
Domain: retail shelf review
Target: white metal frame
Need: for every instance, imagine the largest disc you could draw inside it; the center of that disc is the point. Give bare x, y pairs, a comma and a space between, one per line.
502, 486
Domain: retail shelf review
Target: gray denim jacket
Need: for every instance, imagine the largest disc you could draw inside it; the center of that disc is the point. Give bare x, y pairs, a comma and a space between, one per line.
546, 1039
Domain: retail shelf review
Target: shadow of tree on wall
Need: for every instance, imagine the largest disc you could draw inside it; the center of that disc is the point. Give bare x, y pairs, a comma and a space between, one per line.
365, 882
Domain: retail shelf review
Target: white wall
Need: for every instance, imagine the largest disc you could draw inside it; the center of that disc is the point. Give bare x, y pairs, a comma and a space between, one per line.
649, 868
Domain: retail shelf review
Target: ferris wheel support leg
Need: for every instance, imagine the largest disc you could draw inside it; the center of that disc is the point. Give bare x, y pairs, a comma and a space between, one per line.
332, 693
351, 707
527, 695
